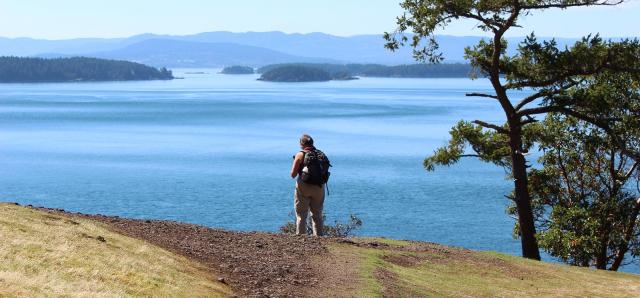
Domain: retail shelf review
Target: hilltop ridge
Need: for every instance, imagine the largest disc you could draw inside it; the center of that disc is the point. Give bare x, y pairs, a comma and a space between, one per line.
256, 264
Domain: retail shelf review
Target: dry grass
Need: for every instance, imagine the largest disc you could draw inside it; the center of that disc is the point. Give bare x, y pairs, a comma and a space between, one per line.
44, 255
399, 271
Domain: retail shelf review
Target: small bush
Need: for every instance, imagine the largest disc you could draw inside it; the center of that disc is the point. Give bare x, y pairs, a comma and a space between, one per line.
338, 229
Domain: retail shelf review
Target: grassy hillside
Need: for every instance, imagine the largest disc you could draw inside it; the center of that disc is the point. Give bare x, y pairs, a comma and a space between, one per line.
391, 268
43, 254
51, 253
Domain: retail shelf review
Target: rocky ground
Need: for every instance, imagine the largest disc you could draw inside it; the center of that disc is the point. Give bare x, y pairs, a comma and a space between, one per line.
258, 264
255, 264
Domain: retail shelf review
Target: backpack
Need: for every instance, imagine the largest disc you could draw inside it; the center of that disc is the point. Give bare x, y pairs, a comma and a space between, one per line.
315, 167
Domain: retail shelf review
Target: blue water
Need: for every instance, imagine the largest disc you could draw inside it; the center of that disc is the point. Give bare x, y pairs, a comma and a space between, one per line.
216, 150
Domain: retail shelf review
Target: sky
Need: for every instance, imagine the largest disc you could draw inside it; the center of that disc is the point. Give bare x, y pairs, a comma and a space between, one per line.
63, 19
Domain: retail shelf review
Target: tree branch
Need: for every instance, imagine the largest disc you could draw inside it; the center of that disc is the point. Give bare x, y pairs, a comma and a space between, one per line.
552, 80
481, 95
604, 126
497, 128
631, 170
564, 110
541, 110
487, 22
494, 70
528, 121
601, 123
589, 3
605, 64
624, 247
543, 93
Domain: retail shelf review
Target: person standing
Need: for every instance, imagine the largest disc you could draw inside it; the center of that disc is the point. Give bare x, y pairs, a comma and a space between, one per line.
311, 170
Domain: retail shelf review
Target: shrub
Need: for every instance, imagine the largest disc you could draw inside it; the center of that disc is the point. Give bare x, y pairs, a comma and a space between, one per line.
338, 229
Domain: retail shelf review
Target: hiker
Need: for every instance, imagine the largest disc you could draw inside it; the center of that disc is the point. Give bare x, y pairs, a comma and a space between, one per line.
311, 167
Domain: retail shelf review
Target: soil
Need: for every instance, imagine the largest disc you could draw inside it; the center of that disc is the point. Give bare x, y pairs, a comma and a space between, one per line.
404, 260
388, 281
254, 264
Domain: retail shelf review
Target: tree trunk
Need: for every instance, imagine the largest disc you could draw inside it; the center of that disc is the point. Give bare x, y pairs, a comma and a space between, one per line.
601, 254
624, 247
523, 200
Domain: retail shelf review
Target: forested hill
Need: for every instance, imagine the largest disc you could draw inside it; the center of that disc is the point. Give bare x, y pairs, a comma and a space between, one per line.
237, 69
454, 70
76, 69
295, 73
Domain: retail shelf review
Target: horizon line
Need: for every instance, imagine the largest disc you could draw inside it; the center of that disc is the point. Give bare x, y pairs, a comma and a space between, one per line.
277, 31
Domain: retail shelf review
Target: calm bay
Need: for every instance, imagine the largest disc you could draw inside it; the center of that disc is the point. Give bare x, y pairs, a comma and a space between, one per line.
216, 150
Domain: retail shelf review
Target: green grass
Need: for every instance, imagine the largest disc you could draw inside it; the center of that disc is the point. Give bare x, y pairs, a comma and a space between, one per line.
388, 241
371, 261
44, 255
463, 273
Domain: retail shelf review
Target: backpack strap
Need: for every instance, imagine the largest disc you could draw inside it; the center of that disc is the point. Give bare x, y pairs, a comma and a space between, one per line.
304, 154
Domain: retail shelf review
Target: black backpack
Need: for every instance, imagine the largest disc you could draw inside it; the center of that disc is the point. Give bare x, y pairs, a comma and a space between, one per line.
315, 167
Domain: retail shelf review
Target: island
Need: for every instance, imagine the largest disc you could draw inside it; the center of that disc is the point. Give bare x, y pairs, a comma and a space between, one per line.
237, 69
302, 73
295, 73
76, 69
420, 70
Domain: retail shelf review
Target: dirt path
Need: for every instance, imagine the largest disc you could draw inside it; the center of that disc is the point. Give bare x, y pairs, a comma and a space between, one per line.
254, 264
259, 264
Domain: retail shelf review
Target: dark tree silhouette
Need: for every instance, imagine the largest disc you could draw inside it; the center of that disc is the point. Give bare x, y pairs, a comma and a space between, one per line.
24, 70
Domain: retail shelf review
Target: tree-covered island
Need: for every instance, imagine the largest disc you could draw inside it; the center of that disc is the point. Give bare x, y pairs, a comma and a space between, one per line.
418, 70
237, 69
76, 69
295, 73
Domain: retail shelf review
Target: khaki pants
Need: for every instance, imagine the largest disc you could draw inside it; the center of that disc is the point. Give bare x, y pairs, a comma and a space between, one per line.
308, 197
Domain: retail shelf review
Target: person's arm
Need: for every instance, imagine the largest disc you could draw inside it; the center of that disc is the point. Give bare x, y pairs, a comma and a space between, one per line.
297, 161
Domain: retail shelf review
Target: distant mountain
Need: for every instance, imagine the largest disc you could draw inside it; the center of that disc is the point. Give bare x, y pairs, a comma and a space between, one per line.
33, 47
176, 53
217, 49
355, 49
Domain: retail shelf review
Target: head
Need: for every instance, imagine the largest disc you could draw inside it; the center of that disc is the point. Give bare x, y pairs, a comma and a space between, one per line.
306, 141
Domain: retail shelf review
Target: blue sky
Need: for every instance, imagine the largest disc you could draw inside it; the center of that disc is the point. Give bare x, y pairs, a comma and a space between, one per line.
120, 18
